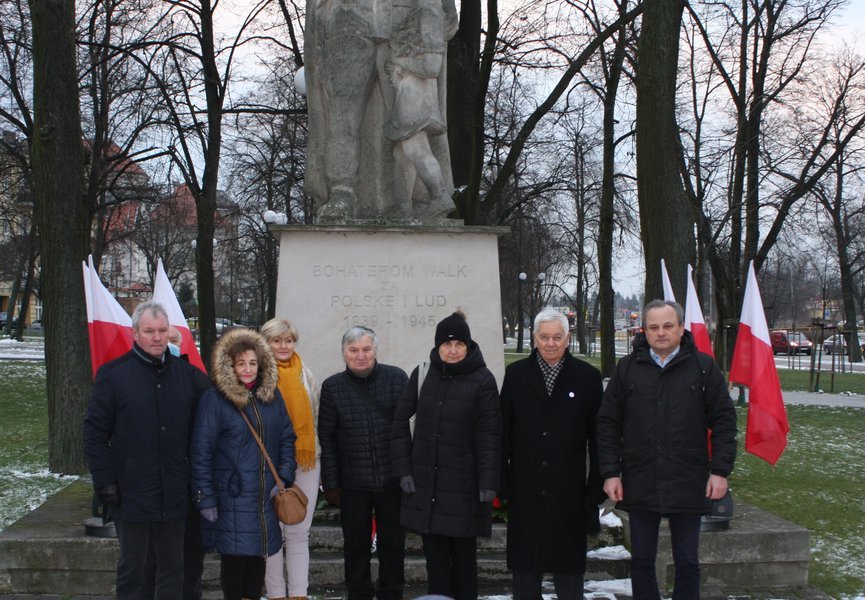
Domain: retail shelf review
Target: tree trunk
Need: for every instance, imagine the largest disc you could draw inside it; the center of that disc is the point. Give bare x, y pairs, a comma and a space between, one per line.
463, 59
64, 226
666, 218
205, 199
606, 212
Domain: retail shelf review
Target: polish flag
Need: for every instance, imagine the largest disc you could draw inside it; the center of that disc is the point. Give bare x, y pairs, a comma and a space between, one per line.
108, 325
694, 321
669, 296
754, 366
164, 295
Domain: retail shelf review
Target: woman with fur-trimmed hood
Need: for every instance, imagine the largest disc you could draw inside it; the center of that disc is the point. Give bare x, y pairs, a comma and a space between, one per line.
231, 483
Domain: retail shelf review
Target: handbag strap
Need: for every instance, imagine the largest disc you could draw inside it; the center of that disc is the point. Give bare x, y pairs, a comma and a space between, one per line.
263, 451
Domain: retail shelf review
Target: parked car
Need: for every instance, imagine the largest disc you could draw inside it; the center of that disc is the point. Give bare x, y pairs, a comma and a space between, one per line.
837, 344
223, 325
35, 325
790, 342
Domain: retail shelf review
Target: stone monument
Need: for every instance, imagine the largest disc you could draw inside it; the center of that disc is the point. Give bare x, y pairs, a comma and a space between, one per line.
382, 252
375, 81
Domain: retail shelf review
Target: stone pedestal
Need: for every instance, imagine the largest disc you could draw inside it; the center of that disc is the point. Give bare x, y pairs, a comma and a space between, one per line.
759, 549
398, 280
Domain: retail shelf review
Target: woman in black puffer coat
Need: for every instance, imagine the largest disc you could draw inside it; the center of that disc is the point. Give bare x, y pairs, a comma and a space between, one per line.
449, 470
231, 484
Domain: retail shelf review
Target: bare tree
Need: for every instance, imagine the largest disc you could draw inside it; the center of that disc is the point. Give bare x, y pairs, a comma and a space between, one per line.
745, 190
839, 96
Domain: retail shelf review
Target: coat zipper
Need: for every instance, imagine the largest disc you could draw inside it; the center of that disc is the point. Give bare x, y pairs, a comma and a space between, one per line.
261, 479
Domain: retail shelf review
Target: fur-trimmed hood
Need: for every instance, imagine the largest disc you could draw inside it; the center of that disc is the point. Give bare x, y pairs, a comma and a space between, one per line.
222, 368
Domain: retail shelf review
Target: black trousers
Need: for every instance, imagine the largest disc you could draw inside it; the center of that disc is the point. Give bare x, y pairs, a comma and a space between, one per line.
685, 539
193, 561
166, 540
528, 585
452, 566
356, 511
241, 576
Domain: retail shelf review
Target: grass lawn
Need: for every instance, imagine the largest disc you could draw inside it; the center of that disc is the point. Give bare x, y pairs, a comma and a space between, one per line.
24, 478
818, 483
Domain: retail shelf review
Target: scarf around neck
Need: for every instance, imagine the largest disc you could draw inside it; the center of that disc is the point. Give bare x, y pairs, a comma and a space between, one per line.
299, 409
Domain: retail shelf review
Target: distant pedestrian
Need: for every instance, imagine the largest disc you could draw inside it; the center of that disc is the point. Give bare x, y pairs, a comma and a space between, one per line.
550, 402
653, 424
356, 413
450, 469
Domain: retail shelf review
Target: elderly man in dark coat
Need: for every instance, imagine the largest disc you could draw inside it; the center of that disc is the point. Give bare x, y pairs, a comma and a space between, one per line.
549, 402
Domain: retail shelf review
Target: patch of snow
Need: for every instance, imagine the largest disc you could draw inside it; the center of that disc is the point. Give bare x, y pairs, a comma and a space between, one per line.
609, 553
609, 588
611, 520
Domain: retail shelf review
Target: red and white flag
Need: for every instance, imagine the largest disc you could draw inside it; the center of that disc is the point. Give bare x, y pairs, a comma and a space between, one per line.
164, 295
754, 366
669, 296
694, 321
108, 325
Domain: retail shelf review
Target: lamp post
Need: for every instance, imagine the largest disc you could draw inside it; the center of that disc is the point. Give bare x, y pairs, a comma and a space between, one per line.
521, 278
536, 296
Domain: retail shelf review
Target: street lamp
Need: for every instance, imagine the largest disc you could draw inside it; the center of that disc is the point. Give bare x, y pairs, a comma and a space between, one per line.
536, 296
521, 278
275, 218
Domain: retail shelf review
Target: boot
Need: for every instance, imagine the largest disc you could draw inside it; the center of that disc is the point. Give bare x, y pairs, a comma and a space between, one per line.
295, 598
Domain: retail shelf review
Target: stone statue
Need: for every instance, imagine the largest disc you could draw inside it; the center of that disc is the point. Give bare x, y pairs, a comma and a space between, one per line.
375, 73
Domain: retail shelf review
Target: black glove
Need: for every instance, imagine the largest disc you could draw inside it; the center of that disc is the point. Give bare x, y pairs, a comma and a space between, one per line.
332, 496
109, 494
593, 520
487, 495
406, 484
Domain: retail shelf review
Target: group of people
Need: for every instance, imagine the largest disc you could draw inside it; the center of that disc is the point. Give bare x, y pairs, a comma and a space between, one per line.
427, 453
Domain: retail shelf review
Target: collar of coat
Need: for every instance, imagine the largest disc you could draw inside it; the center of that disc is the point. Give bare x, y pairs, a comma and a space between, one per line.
156, 363
474, 360
222, 369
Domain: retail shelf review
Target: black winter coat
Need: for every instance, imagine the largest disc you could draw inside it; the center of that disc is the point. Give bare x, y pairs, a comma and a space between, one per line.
136, 433
355, 417
652, 429
228, 469
456, 450
546, 442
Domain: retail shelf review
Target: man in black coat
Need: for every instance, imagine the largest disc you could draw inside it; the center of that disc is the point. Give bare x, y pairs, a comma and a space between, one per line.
653, 427
549, 403
355, 417
136, 438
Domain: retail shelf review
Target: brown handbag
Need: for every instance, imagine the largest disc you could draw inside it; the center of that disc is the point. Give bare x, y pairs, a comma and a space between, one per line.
290, 503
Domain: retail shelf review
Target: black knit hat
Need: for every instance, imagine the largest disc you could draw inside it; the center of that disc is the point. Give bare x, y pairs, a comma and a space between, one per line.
453, 327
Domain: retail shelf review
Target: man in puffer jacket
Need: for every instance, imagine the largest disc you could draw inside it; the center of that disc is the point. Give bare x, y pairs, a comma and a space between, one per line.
355, 416
652, 445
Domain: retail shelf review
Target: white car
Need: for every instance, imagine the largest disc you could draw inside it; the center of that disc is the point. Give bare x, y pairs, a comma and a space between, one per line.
837, 344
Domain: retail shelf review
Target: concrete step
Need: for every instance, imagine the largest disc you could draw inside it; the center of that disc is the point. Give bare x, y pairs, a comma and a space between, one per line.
47, 550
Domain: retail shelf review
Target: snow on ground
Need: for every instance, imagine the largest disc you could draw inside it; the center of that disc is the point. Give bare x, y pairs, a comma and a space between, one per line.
609, 553
29, 349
